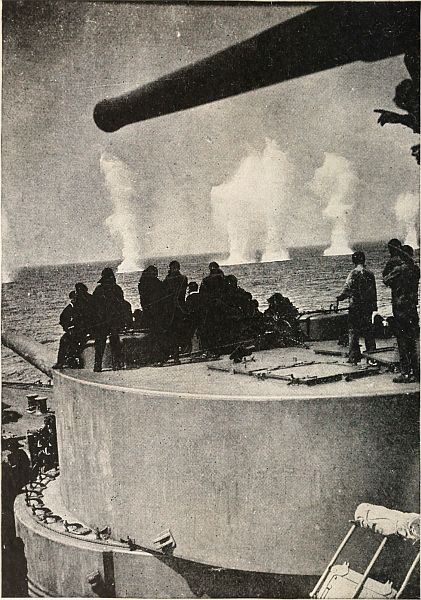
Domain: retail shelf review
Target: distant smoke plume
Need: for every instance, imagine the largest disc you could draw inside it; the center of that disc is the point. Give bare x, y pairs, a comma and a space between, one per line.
334, 182
250, 207
407, 211
122, 223
9, 267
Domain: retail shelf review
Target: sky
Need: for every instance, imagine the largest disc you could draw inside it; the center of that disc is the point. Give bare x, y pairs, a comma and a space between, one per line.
61, 58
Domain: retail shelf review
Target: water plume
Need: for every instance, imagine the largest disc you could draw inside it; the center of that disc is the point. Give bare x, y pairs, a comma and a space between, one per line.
122, 223
250, 207
334, 182
407, 211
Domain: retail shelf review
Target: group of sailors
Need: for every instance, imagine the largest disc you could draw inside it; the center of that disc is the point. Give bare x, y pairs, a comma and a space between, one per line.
401, 274
100, 315
218, 313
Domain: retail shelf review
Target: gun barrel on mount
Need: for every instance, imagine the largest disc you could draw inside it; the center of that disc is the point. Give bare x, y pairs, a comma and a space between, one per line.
33, 352
321, 38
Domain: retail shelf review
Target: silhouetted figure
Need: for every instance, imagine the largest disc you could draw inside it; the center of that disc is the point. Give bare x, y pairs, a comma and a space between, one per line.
68, 352
109, 298
152, 299
255, 326
231, 289
390, 329
281, 324
407, 98
16, 472
395, 250
212, 320
175, 285
402, 275
138, 320
85, 311
408, 257
360, 288
379, 327
151, 294
127, 315
233, 310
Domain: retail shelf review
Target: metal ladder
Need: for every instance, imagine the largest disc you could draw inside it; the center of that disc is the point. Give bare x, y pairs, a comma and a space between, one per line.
321, 589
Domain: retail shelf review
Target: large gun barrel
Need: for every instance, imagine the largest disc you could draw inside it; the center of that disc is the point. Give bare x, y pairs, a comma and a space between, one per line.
33, 352
321, 38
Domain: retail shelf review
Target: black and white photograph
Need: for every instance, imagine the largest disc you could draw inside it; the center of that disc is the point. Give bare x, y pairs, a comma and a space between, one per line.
210, 220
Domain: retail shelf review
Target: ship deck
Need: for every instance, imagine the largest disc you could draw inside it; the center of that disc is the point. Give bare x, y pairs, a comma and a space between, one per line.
225, 380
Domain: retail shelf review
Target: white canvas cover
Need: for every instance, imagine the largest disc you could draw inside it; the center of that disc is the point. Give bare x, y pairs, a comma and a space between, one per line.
387, 521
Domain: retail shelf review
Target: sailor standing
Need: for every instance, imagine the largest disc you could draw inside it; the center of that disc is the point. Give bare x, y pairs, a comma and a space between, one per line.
402, 275
175, 285
85, 313
212, 320
68, 351
360, 288
109, 302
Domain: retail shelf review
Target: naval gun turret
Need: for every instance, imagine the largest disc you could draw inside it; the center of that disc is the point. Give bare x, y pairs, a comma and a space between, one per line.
207, 482
30, 350
330, 35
